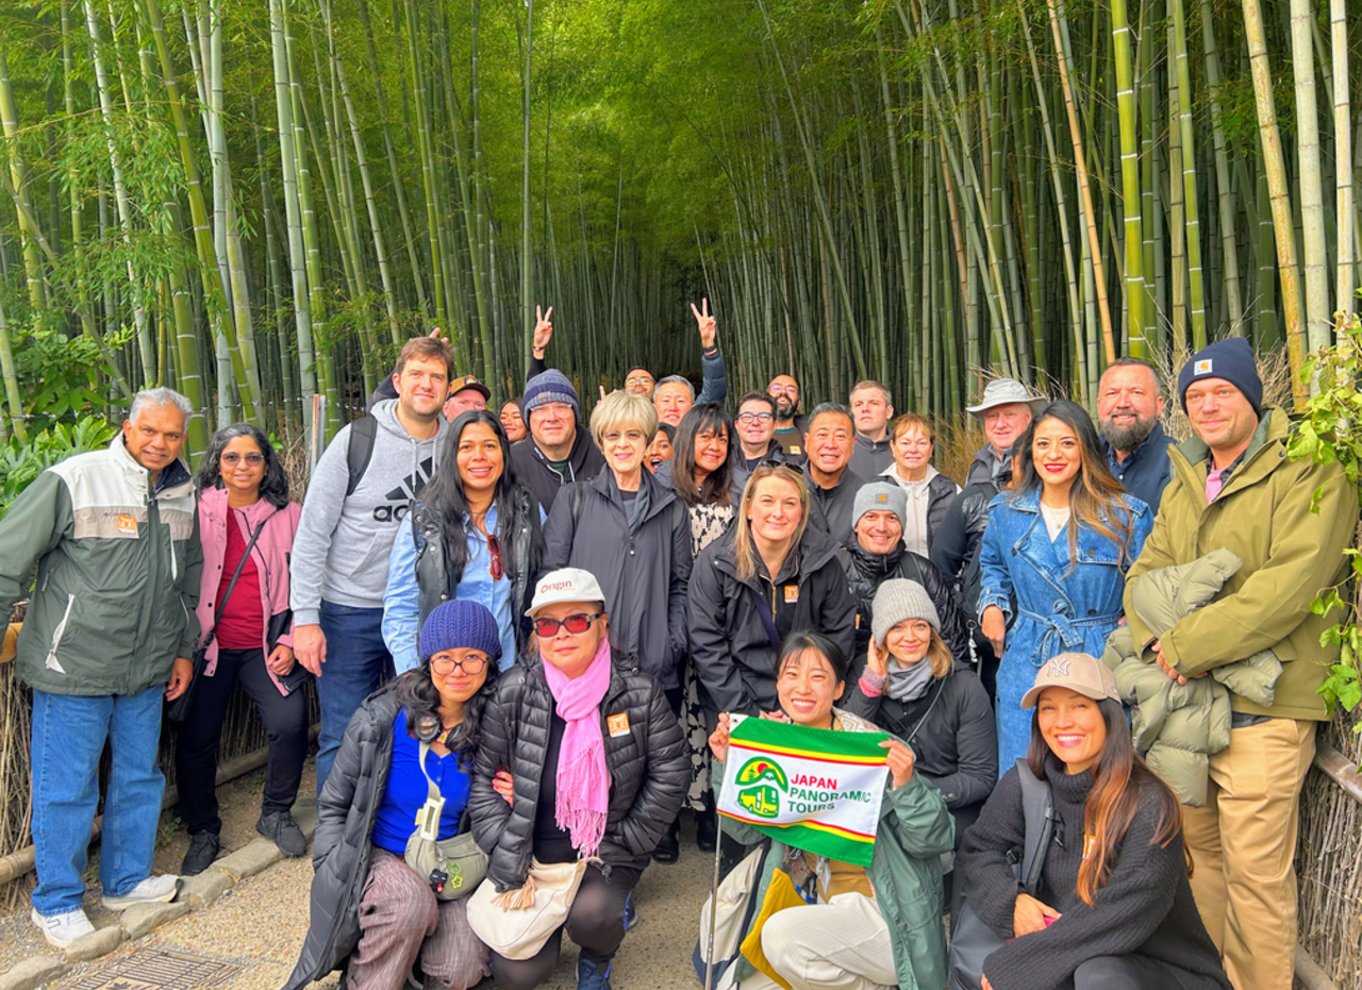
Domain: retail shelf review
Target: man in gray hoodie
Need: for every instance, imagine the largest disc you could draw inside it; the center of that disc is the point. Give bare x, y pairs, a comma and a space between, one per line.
351, 515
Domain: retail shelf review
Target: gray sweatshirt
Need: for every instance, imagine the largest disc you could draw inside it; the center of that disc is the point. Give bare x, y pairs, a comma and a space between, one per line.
341, 551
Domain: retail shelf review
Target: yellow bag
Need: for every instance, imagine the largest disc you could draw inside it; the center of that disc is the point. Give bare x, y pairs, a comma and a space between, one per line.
780, 894
10, 642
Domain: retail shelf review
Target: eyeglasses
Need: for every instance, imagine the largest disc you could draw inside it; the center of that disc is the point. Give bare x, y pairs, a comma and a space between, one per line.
632, 436
470, 664
232, 457
576, 623
639, 380
783, 390
494, 550
755, 417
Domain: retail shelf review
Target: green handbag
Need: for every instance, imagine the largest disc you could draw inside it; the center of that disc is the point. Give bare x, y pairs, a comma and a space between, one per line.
453, 867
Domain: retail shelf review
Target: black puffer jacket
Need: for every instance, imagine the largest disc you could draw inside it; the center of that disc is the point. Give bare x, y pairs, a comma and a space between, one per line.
953, 738
435, 577
643, 571
865, 573
955, 547
340, 850
734, 657
649, 770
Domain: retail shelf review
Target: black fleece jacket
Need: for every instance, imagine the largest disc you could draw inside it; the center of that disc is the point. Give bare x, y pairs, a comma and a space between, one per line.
1145, 906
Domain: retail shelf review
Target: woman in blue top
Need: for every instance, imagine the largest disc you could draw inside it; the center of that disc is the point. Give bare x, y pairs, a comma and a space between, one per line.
476, 536
1054, 559
371, 914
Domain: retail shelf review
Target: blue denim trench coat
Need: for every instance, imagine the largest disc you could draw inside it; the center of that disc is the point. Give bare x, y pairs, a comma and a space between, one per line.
1060, 607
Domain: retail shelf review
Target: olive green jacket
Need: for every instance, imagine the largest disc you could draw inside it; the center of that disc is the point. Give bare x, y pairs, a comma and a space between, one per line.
118, 574
1290, 554
905, 872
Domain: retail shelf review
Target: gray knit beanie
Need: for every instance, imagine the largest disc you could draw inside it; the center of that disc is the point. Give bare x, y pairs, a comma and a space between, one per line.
883, 496
897, 600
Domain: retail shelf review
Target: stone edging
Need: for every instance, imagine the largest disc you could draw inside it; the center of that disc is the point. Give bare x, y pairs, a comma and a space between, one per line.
196, 893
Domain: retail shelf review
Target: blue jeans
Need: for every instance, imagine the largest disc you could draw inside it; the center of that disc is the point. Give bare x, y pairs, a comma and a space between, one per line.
357, 662
69, 733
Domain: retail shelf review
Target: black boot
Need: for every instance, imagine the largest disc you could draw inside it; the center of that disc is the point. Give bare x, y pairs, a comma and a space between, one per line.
706, 826
669, 849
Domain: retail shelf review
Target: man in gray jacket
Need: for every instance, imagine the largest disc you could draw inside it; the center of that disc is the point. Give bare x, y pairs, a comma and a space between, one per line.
107, 637
361, 490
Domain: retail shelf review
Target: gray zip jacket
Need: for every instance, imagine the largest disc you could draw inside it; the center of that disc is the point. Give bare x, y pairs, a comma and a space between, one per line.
341, 551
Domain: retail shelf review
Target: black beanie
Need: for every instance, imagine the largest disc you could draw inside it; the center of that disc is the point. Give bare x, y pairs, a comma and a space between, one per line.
1230, 359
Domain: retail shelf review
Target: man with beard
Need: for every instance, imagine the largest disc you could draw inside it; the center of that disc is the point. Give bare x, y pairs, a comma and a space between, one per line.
790, 426
1129, 405
832, 484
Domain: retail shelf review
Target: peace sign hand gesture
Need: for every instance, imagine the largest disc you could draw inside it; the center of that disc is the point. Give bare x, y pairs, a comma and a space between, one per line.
875, 658
705, 323
543, 331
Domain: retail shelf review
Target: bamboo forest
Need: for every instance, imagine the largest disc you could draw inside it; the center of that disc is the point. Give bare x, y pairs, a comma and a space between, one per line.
256, 203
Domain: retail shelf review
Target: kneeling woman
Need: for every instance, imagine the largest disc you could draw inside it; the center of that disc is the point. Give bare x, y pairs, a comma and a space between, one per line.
870, 928
599, 767
371, 914
1114, 908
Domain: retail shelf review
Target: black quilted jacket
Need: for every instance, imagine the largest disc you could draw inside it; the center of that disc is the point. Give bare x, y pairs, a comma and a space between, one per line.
649, 770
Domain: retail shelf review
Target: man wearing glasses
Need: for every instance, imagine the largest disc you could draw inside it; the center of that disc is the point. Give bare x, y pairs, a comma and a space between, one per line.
790, 426
756, 427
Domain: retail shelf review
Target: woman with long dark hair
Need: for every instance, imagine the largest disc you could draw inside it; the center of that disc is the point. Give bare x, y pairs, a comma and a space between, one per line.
371, 912
243, 493
1058, 545
475, 537
1113, 908
701, 473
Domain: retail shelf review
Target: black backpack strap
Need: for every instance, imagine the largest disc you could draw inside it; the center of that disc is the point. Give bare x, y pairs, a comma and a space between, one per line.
360, 450
1038, 811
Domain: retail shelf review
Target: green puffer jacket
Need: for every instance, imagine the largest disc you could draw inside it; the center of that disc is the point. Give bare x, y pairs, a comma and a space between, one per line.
1288, 521
118, 574
1177, 727
905, 872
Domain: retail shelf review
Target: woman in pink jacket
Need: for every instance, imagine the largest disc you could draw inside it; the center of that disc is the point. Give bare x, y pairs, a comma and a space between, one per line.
243, 491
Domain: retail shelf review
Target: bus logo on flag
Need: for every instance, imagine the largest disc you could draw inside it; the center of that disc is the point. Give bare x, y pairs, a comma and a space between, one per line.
761, 782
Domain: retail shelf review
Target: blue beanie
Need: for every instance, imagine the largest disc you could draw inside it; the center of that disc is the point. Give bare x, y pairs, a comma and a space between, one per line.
454, 625
550, 386
1230, 359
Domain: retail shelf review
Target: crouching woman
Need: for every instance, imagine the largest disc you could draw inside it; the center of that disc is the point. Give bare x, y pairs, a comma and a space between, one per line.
598, 769
1113, 909
867, 928
371, 914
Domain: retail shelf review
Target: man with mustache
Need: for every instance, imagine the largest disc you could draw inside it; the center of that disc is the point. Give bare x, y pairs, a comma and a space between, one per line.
1129, 404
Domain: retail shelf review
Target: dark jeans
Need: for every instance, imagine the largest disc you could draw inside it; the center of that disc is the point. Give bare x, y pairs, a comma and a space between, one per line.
357, 662
1127, 972
595, 922
196, 748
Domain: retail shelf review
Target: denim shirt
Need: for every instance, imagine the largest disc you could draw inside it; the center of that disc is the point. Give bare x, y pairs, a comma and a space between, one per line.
477, 585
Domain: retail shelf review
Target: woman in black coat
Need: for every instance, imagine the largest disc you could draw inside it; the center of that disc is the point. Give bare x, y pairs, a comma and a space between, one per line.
913, 687
371, 914
578, 731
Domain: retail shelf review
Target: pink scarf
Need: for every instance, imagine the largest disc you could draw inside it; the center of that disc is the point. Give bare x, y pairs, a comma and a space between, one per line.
583, 780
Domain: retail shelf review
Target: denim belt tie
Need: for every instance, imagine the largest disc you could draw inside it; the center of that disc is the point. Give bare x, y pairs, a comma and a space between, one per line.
1062, 630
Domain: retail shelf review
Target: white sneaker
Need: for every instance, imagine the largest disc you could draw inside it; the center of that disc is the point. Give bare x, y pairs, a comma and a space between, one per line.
60, 930
156, 888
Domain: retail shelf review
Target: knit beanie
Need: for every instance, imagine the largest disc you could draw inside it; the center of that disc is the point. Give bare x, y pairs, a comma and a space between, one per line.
550, 386
1230, 359
454, 624
882, 496
898, 600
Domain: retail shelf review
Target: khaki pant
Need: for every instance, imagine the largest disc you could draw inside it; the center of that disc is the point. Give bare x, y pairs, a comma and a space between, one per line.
1243, 842
841, 945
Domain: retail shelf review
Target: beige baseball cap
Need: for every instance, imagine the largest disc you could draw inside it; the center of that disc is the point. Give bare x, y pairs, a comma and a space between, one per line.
567, 584
1079, 672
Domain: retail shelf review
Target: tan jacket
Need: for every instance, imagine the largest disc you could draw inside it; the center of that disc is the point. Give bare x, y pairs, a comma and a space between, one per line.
1290, 555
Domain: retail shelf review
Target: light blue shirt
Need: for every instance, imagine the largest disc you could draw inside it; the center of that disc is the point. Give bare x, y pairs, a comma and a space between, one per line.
402, 604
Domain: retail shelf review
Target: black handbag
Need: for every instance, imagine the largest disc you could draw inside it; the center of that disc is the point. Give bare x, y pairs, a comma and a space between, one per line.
178, 710
279, 624
972, 941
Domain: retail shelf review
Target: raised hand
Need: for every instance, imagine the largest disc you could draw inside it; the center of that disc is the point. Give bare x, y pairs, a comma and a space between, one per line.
543, 331
705, 323
876, 658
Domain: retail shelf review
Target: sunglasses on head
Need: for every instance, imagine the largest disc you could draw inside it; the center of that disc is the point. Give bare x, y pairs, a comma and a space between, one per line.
576, 623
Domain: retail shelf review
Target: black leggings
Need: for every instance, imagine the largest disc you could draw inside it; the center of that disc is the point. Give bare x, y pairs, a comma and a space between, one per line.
595, 922
1127, 972
196, 747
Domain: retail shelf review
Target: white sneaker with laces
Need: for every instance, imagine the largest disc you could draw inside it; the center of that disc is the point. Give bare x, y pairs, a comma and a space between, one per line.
158, 887
60, 930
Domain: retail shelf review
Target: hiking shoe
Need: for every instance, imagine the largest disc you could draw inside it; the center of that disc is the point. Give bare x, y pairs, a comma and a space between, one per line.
155, 889
203, 849
60, 930
668, 849
280, 828
592, 975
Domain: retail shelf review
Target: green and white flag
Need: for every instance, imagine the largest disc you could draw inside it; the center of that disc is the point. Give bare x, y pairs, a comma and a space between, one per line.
814, 789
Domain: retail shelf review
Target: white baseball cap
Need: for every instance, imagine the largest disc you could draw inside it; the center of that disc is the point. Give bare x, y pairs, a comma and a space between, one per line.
567, 584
